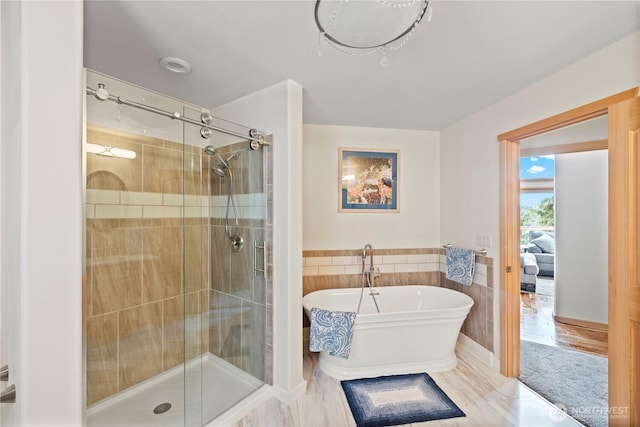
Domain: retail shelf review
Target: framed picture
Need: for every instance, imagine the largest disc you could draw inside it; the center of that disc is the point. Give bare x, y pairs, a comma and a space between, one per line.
368, 180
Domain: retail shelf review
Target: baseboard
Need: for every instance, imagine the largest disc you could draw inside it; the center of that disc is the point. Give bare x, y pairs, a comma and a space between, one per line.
603, 327
232, 416
470, 346
288, 397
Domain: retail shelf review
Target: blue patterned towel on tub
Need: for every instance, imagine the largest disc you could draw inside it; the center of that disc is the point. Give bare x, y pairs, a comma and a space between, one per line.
331, 331
461, 264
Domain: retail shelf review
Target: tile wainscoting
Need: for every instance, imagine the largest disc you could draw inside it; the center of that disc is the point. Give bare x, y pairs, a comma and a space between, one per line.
329, 269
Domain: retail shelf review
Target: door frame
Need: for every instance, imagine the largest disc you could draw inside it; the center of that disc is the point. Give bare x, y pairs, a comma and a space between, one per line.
510, 218
624, 298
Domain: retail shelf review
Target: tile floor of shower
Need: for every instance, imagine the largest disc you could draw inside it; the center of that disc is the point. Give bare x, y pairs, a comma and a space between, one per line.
212, 386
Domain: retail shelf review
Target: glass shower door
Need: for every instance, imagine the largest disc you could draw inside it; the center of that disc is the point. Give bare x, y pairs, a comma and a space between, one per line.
195, 270
225, 265
176, 301
138, 298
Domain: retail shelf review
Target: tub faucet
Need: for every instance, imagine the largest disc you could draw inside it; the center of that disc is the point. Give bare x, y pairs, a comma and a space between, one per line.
371, 273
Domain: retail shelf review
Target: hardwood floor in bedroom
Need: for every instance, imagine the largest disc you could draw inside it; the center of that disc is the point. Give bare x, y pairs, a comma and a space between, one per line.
537, 324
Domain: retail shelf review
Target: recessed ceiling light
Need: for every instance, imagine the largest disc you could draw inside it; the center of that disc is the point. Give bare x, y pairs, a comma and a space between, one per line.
175, 65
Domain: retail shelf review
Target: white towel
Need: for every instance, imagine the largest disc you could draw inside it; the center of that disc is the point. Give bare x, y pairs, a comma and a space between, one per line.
461, 264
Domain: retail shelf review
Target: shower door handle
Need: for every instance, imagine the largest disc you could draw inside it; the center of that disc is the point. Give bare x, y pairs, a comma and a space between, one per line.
258, 269
8, 395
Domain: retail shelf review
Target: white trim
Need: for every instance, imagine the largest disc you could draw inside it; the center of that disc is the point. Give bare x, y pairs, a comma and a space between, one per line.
471, 347
288, 397
194, 364
350, 373
244, 407
496, 362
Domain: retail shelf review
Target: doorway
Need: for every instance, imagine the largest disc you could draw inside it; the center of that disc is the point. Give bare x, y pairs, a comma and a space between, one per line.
509, 228
563, 206
510, 214
563, 250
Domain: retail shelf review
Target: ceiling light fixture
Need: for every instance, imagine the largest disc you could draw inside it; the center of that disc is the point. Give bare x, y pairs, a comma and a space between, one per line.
175, 65
103, 150
364, 27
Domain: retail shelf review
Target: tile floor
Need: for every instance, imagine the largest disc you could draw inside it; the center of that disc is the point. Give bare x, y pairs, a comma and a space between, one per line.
486, 397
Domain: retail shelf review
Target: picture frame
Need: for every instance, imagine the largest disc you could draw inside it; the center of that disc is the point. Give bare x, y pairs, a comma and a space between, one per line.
368, 180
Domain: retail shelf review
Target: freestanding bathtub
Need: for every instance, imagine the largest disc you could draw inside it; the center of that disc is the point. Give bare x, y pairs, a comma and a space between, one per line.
415, 331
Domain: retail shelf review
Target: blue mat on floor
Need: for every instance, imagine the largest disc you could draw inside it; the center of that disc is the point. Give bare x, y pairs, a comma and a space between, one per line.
398, 399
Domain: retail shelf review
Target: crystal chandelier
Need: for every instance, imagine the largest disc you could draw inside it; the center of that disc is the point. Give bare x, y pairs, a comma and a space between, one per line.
365, 27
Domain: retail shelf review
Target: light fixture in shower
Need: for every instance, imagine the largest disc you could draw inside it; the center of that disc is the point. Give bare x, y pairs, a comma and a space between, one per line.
365, 27
103, 150
175, 65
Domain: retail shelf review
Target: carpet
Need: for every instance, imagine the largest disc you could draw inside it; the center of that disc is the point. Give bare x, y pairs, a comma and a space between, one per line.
398, 399
576, 382
545, 286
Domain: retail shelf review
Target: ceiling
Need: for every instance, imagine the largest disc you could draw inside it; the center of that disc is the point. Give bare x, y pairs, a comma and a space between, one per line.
470, 55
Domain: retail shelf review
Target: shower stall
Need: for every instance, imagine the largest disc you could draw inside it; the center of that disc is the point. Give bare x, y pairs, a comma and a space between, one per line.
178, 301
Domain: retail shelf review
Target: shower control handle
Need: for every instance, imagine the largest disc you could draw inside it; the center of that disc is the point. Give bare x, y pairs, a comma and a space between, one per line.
237, 243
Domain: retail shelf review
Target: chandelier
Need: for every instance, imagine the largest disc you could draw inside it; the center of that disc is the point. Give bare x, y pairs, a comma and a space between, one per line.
365, 27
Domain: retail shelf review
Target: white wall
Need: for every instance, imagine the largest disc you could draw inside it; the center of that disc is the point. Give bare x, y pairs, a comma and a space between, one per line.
416, 225
10, 113
129, 119
591, 130
581, 236
42, 211
469, 164
278, 110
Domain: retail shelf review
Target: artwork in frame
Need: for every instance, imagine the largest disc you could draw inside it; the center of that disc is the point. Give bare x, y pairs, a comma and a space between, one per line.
368, 180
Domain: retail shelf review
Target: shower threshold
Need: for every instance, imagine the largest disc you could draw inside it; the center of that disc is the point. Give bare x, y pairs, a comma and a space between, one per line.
213, 386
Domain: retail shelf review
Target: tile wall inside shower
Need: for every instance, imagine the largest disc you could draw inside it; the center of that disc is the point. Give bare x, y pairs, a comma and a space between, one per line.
137, 290
158, 260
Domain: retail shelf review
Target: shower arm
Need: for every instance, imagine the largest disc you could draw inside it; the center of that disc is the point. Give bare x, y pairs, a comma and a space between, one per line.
102, 95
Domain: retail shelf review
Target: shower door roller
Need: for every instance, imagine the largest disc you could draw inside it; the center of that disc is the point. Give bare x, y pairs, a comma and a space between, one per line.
254, 145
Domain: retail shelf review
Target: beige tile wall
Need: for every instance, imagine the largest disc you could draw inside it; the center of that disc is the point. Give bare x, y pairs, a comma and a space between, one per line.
139, 289
479, 323
241, 301
342, 268
328, 269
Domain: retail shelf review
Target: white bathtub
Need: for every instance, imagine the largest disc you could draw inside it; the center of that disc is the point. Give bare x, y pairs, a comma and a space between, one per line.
415, 331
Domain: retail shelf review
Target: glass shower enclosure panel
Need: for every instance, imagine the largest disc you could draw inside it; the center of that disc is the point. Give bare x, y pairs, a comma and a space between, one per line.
177, 243
137, 298
225, 265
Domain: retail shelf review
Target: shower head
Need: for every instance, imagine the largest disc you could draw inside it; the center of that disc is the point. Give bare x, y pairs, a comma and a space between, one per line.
211, 150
